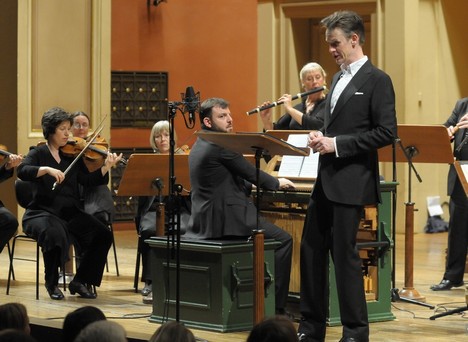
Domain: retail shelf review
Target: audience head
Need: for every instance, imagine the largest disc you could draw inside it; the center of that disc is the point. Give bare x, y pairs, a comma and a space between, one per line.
172, 332
14, 316
78, 319
159, 138
14, 335
52, 119
102, 331
274, 329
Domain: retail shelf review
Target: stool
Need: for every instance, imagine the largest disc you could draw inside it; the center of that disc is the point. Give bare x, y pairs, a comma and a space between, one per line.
216, 283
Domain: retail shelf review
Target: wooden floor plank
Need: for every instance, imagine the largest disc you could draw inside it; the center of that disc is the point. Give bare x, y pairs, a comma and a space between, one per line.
119, 303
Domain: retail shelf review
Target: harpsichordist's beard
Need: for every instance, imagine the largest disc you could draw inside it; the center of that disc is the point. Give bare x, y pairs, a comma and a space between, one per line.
226, 129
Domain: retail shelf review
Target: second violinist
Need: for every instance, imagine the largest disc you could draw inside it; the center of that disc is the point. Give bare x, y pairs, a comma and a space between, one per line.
56, 218
97, 199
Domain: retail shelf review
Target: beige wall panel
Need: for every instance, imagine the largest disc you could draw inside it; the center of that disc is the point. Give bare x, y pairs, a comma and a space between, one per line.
61, 49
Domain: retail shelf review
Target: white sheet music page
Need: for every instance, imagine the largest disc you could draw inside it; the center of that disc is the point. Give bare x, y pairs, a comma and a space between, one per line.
298, 166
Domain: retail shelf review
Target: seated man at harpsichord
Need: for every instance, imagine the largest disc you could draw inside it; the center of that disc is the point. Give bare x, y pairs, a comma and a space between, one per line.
221, 182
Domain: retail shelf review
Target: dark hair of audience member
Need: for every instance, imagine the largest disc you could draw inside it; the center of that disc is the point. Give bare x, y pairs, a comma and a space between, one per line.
76, 320
15, 335
172, 332
274, 329
14, 316
102, 331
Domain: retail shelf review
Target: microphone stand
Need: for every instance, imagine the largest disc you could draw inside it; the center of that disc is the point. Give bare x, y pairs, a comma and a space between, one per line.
174, 203
175, 190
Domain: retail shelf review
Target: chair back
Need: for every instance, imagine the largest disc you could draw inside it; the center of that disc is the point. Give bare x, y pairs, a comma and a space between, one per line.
24, 191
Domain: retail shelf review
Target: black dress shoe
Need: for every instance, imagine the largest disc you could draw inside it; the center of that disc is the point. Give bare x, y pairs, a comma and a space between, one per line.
445, 285
306, 338
76, 287
146, 290
348, 339
54, 292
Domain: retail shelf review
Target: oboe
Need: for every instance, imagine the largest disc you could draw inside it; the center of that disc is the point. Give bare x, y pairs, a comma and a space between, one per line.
295, 97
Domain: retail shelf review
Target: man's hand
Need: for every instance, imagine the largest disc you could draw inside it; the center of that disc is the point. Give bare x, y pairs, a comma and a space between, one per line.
318, 143
286, 184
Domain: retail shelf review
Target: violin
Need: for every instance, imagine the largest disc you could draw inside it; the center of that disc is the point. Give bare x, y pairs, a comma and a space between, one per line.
97, 151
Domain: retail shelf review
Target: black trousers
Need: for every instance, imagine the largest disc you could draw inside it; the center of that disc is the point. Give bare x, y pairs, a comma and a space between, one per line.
457, 235
8, 226
330, 229
54, 235
283, 256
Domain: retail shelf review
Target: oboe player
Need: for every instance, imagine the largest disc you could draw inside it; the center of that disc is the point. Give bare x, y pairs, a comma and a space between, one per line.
309, 113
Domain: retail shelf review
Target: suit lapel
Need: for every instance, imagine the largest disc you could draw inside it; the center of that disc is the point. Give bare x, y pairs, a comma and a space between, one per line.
356, 82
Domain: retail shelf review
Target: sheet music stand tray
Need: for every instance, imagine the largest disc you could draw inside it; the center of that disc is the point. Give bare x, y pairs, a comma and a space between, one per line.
259, 143
418, 144
143, 168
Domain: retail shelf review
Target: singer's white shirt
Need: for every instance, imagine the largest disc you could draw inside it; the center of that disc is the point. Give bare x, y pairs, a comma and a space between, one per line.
347, 73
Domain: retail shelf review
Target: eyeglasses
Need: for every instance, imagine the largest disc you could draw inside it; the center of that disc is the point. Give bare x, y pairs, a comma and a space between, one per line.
79, 126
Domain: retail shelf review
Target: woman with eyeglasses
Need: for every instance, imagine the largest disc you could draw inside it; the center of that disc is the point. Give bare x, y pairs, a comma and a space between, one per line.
98, 200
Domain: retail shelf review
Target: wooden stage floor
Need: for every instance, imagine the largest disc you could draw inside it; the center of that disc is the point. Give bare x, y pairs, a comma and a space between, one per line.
118, 301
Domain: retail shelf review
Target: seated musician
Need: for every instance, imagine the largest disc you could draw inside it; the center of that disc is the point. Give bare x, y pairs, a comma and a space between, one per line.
221, 181
308, 114
146, 219
98, 199
55, 218
8, 221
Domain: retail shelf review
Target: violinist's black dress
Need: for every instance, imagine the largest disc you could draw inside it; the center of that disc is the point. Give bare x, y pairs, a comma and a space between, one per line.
56, 218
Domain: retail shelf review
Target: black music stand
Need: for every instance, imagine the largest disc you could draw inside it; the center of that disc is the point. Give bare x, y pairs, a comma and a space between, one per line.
149, 175
143, 169
260, 144
417, 144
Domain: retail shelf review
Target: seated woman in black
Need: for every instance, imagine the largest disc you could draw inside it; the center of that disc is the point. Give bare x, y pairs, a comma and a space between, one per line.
55, 217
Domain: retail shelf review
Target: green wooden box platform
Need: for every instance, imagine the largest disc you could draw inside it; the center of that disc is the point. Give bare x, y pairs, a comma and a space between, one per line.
216, 287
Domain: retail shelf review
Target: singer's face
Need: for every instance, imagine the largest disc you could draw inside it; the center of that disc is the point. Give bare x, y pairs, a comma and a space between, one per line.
161, 140
340, 47
221, 120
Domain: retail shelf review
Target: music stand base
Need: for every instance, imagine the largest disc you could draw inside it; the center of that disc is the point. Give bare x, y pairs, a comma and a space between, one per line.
450, 312
396, 297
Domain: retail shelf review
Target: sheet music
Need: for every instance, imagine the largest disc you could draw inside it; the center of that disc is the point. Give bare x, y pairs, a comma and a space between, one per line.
298, 166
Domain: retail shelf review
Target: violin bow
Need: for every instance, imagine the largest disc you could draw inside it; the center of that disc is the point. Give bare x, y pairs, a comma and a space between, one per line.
94, 136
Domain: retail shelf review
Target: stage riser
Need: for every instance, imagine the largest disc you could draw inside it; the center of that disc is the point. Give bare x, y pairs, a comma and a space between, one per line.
216, 287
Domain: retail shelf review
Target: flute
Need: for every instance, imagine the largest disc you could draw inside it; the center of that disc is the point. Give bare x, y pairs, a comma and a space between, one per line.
295, 97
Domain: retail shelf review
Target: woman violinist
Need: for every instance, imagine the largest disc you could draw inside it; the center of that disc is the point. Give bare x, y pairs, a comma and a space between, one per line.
56, 218
97, 199
8, 221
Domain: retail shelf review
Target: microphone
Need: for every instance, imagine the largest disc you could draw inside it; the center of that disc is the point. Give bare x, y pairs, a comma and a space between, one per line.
191, 103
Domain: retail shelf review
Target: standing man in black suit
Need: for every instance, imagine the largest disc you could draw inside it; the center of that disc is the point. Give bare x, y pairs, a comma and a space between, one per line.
359, 119
457, 127
221, 182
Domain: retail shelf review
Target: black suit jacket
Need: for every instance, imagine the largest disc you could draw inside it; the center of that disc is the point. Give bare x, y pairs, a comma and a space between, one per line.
220, 187
363, 120
461, 108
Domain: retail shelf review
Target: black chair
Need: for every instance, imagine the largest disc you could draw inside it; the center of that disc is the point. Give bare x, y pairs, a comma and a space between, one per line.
24, 192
